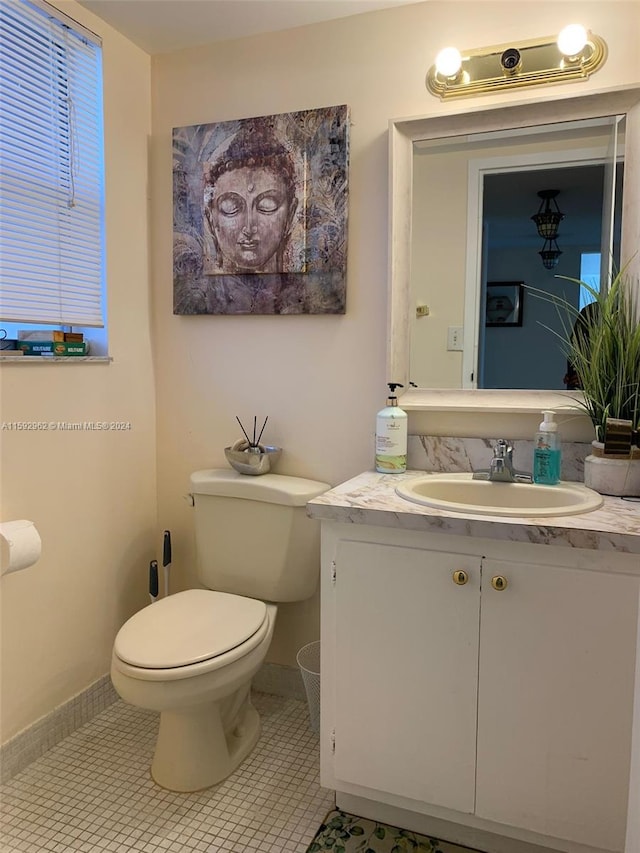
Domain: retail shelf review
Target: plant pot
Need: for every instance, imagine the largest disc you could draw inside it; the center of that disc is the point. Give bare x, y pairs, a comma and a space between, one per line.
611, 475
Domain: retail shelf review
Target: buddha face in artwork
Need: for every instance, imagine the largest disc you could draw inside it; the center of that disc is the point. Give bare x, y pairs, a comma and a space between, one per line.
249, 214
249, 206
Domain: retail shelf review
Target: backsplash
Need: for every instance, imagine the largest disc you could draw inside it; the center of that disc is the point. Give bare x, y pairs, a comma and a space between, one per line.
437, 453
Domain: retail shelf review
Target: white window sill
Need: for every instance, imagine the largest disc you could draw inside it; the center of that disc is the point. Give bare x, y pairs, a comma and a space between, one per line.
47, 359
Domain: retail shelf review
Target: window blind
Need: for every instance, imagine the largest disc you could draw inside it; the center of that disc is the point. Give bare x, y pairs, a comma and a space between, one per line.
51, 169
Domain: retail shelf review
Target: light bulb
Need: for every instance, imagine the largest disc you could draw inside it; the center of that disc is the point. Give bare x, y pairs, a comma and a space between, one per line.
572, 39
448, 62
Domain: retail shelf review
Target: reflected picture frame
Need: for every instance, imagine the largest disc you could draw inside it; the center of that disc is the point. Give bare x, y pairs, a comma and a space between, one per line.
504, 302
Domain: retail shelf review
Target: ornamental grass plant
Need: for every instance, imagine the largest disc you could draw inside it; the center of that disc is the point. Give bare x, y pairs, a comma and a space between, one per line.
602, 344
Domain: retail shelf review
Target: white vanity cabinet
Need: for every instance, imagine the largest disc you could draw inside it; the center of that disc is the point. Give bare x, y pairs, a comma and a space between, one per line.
406, 666
486, 683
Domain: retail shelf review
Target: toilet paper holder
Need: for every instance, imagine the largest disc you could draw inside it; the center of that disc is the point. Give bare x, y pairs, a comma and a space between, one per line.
20, 545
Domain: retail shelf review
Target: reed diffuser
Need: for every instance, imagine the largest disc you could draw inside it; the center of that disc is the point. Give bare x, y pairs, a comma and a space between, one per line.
248, 455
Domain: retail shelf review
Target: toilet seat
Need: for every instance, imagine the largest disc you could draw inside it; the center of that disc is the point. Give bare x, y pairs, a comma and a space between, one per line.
189, 628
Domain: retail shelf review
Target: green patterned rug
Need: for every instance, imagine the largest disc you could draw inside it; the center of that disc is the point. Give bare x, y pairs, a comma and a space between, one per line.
346, 833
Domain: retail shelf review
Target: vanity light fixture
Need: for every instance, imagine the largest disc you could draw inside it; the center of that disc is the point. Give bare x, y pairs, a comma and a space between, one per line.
572, 55
548, 219
572, 40
449, 62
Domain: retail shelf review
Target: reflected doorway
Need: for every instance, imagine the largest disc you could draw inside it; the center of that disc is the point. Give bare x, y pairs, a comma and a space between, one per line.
511, 252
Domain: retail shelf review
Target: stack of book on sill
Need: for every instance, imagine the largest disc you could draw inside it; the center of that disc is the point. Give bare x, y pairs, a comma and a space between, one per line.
50, 344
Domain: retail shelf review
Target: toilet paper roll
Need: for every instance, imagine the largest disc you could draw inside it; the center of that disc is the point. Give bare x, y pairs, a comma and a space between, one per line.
20, 545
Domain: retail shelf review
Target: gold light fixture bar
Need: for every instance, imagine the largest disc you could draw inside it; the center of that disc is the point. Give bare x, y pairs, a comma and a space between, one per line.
509, 66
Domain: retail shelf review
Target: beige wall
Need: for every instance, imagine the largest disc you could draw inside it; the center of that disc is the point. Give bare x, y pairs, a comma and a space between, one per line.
92, 495
438, 266
320, 379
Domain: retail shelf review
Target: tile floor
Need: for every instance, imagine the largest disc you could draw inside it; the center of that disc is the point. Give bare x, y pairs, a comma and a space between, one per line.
93, 793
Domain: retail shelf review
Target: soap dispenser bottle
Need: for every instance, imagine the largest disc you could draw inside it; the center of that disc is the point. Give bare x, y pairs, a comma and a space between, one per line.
546, 452
391, 435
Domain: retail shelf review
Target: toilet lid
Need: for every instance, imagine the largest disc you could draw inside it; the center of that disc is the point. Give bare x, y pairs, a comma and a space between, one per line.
187, 628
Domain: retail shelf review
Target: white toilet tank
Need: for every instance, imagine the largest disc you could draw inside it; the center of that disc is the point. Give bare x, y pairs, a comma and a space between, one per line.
253, 536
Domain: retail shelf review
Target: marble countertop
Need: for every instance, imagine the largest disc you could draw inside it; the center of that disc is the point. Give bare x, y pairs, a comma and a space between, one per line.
370, 498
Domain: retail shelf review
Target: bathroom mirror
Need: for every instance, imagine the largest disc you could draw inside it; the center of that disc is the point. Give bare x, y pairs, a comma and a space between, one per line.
508, 153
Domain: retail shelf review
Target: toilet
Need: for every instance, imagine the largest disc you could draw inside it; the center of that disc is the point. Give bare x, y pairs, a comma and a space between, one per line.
191, 656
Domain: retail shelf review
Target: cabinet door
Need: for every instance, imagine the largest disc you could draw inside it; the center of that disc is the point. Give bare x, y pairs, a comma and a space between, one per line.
406, 672
557, 653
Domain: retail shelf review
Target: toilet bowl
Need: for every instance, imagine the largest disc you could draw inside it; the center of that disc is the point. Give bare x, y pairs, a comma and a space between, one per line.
207, 724
191, 656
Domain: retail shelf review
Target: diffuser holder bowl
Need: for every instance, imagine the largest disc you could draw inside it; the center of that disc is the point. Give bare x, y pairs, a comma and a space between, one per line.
253, 461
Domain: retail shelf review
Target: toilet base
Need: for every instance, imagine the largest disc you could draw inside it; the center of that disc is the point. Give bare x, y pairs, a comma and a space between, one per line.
193, 751
208, 725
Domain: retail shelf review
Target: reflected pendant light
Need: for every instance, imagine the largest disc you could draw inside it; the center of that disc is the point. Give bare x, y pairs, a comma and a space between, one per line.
550, 254
548, 219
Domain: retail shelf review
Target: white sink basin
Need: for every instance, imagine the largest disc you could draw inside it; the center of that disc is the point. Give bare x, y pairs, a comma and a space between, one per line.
461, 493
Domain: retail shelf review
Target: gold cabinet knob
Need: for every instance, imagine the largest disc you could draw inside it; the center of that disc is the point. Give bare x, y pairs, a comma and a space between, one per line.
499, 582
460, 577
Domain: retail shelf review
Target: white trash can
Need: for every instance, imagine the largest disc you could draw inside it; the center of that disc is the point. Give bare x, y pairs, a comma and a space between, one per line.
308, 659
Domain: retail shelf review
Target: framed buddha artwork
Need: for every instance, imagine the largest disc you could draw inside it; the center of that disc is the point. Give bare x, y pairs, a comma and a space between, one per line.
260, 214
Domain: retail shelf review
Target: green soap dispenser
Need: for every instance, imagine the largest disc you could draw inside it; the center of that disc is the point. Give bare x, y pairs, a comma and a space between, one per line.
391, 435
546, 452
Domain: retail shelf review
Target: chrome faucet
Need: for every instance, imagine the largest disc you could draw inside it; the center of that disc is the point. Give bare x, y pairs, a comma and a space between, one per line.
501, 469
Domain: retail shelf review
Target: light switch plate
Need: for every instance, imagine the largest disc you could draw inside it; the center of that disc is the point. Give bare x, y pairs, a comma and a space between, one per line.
454, 338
